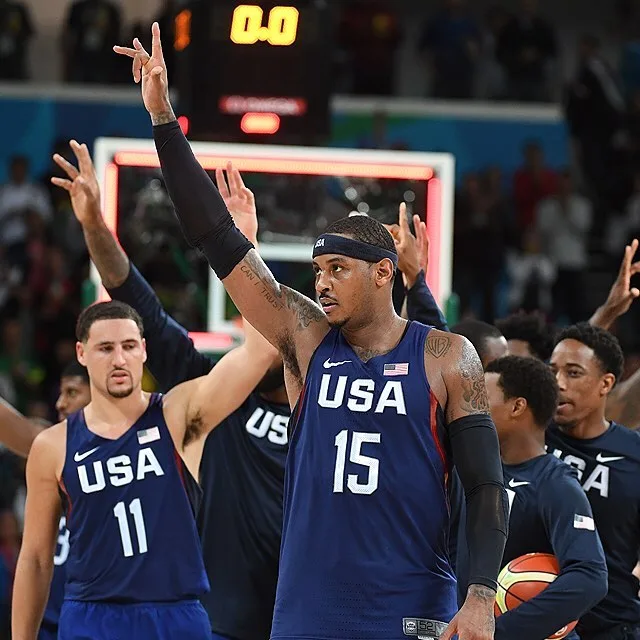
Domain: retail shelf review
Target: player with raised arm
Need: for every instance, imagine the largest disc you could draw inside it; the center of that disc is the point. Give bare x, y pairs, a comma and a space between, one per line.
124, 464
365, 489
587, 362
549, 511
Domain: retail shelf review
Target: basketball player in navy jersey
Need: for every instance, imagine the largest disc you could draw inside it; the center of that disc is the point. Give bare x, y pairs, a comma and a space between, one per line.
75, 394
587, 361
365, 490
549, 511
17, 433
135, 566
242, 468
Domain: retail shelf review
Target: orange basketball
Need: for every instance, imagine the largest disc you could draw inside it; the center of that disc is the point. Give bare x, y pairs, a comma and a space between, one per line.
524, 578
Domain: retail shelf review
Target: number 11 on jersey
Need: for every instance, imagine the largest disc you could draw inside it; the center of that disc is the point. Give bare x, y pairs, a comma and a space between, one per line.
120, 512
356, 457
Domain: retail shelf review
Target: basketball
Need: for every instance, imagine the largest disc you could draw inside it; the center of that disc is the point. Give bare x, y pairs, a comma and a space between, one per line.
524, 578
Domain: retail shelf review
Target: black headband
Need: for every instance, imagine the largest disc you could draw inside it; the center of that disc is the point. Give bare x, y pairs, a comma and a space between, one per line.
330, 243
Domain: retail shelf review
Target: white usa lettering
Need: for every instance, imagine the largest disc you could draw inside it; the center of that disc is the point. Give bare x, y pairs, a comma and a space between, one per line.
120, 472
362, 395
272, 426
597, 480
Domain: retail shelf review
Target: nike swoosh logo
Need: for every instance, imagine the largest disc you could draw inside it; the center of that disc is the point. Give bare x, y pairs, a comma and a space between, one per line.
329, 365
513, 484
603, 459
79, 457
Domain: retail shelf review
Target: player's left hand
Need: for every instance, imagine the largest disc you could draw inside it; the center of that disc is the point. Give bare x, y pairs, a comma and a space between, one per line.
475, 621
240, 201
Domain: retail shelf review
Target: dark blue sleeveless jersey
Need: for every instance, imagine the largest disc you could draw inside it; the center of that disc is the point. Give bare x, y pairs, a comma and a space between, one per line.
364, 541
608, 469
133, 534
56, 591
240, 520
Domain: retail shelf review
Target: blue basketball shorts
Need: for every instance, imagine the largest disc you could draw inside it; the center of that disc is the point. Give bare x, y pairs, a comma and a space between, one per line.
151, 621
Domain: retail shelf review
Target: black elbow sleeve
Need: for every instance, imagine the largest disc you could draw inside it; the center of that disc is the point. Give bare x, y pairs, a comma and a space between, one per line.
476, 455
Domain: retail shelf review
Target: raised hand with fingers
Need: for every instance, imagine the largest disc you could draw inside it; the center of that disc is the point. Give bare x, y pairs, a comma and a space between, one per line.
240, 201
621, 294
408, 246
82, 184
151, 71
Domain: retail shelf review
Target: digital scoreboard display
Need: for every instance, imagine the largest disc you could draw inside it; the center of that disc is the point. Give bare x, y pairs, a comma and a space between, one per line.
255, 71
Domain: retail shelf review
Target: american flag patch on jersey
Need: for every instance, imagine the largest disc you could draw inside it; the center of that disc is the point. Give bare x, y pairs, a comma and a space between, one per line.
398, 369
583, 522
148, 435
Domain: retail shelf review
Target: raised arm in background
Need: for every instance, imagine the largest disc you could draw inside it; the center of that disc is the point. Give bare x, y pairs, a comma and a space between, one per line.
623, 403
290, 321
172, 355
413, 261
17, 433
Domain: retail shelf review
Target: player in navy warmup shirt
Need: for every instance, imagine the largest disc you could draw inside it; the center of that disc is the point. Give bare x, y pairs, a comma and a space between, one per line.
549, 511
587, 362
345, 489
124, 464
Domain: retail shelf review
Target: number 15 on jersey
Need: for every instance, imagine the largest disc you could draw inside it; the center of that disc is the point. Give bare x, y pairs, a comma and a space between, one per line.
356, 457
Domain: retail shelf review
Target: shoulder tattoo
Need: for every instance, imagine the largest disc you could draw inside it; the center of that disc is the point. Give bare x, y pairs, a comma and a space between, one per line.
474, 392
437, 345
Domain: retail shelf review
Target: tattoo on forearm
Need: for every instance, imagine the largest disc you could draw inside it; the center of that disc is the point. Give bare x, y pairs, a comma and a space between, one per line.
278, 296
438, 345
474, 392
482, 592
163, 118
110, 259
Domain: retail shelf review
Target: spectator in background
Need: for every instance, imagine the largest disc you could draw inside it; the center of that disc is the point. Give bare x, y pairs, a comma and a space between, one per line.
563, 224
91, 28
526, 47
16, 361
480, 243
630, 62
531, 277
16, 30
370, 34
491, 75
17, 197
532, 182
451, 38
595, 112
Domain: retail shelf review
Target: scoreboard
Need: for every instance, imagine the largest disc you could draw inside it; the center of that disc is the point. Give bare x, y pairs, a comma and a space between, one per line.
255, 71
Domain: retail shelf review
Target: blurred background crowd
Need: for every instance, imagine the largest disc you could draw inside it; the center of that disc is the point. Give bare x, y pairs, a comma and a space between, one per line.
541, 218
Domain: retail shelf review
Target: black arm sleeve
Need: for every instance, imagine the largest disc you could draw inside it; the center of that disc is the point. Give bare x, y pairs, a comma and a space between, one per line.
476, 455
202, 213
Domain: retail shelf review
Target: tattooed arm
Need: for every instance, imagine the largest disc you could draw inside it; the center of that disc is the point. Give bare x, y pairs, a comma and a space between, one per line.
476, 456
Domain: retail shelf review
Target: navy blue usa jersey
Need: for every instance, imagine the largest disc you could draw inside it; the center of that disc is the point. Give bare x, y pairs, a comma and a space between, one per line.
549, 513
133, 535
56, 592
364, 541
240, 519
608, 468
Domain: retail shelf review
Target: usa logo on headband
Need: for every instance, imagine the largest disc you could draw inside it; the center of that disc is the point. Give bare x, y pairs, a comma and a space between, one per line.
320, 243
